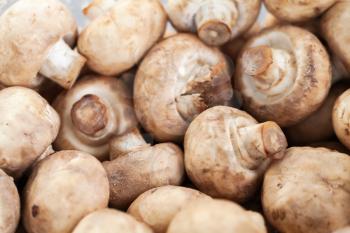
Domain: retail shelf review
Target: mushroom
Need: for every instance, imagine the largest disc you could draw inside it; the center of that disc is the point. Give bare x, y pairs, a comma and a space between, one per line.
62, 189
298, 10
157, 207
10, 204
137, 167
110, 220
216, 22
211, 216
341, 118
93, 111
28, 125
179, 78
283, 74
120, 34
308, 191
227, 151
35, 40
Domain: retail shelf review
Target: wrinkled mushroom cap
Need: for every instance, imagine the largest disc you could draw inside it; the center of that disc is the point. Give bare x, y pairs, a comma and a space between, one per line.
340, 118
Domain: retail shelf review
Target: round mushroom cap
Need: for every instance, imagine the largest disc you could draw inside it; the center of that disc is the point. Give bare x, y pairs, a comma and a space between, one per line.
62, 189
9, 203
340, 118
28, 125
308, 191
210, 216
28, 29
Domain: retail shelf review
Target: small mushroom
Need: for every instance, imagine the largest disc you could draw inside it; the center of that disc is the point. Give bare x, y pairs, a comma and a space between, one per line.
341, 118
308, 191
213, 216
120, 34
28, 125
9, 204
93, 111
35, 40
179, 78
283, 74
157, 207
137, 167
216, 22
227, 151
62, 189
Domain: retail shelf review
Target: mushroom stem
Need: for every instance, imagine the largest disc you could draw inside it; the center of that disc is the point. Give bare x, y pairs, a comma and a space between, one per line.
97, 8
62, 64
214, 20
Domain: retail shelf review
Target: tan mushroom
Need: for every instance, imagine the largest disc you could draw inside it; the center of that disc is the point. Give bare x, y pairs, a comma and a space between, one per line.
283, 74
213, 216
179, 78
120, 34
341, 118
157, 207
308, 191
62, 189
216, 22
227, 151
93, 111
35, 40
137, 167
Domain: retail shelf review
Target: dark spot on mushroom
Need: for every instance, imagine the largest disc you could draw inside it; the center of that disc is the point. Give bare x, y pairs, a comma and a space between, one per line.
347, 132
278, 214
154, 190
279, 185
35, 210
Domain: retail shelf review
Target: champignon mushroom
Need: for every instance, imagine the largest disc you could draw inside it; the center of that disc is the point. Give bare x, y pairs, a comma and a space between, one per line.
179, 78
137, 167
157, 207
121, 33
9, 204
62, 189
216, 22
308, 191
35, 38
341, 117
93, 111
283, 74
28, 125
212, 216
227, 151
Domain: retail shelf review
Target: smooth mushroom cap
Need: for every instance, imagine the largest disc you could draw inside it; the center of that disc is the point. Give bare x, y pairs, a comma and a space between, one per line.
157, 207
10, 204
28, 125
308, 191
283, 74
210, 216
117, 39
340, 118
62, 189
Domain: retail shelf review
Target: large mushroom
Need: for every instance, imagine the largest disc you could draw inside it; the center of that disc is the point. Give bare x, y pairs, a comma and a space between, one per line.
283, 74
179, 78
341, 118
35, 40
227, 152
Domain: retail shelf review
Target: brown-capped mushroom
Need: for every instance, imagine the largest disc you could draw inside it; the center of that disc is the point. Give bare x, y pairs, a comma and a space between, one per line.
62, 189
157, 207
215, 22
227, 151
179, 78
28, 125
137, 167
308, 191
120, 34
35, 40
341, 118
283, 74
93, 111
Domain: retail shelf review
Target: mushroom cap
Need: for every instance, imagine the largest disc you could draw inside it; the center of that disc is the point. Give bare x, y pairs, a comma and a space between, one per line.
173, 69
300, 91
10, 204
28, 125
340, 118
208, 216
110, 221
157, 207
308, 191
117, 40
117, 100
56, 185
28, 30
